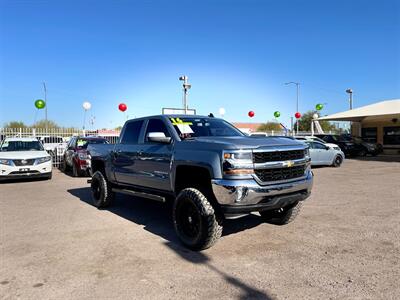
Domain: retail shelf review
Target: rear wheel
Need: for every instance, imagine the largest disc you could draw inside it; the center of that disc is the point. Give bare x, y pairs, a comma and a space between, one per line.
282, 216
195, 220
102, 194
337, 161
75, 171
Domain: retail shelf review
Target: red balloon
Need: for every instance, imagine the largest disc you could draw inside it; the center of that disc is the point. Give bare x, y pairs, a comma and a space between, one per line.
251, 114
122, 107
297, 115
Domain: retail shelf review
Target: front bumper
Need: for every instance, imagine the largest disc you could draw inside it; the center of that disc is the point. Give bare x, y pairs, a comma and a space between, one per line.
245, 196
39, 170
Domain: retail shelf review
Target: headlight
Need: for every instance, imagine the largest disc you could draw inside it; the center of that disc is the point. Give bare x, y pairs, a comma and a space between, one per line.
238, 163
41, 160
7, 162
82, 156
337, 148
307, 152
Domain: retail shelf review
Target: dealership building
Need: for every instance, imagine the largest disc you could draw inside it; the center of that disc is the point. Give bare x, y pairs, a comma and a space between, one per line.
378, 123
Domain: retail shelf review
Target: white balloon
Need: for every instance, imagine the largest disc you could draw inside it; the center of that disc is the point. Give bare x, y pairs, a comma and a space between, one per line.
315, 116
222, 111
86, 105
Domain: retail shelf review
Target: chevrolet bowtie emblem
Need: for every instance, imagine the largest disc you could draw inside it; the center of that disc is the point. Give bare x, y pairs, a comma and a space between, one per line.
288, 163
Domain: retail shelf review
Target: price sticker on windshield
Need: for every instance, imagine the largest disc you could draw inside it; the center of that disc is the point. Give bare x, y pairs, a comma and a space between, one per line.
184, 127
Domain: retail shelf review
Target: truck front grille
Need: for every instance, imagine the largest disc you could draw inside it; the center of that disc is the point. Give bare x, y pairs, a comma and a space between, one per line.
280, 173
262, 157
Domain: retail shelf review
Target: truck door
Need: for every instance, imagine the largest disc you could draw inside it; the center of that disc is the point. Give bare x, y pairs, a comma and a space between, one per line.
125, 155
154, 160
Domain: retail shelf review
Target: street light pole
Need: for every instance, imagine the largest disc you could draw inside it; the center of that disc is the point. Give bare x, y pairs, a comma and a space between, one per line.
186, 87
350, 92
297, 100
45, 101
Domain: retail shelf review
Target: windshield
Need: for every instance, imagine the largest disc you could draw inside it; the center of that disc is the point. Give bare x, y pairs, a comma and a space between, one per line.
83, 143
196, 127
21, 146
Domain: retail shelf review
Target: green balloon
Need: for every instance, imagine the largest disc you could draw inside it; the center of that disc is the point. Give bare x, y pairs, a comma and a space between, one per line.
319, 106
40, 104
277, 114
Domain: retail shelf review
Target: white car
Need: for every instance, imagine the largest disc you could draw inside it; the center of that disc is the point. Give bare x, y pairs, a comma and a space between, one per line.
24, 157
317, 139
323, 155
54, 145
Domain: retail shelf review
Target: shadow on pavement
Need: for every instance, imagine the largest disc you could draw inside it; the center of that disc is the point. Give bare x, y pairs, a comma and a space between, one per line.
247, 292
156, 216
380, 158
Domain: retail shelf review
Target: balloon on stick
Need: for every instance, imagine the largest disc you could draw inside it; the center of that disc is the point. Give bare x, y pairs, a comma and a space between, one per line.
40, 104
251, 114
122, 107
319, 106
277, 114
86, 106
297, 115
222, 112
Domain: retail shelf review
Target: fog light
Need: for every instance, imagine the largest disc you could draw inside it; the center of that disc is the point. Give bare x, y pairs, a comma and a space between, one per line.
241, 193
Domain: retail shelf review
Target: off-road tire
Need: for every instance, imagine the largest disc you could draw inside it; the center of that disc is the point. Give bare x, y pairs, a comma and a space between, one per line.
192, 205
337, 161
282, 216
102, 194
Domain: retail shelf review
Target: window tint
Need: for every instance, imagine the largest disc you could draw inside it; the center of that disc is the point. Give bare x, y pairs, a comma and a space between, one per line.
391, 135
132, 132
319, 146
157, 125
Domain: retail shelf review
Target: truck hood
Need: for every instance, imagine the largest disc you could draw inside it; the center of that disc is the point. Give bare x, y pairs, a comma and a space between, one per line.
244, 142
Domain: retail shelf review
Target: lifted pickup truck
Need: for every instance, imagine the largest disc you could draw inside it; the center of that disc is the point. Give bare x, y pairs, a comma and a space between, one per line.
208, 168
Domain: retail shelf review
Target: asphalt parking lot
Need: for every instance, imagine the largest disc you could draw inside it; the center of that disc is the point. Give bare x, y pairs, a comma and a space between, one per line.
345, 245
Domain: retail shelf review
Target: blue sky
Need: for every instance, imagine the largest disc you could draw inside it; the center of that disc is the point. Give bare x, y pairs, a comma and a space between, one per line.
238, 54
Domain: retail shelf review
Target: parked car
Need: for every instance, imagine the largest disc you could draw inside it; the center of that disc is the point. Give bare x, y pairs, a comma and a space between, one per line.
210, 169
365, 147
76, 156
54, 145
349, 148
24, 158
323, 155
316, 139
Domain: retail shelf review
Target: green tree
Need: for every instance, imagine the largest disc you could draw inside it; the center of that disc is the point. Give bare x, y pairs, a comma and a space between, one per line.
269, 126
15, 124
45, 124
305, 123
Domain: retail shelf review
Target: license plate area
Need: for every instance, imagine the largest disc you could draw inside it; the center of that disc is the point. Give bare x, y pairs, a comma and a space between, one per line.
24, 169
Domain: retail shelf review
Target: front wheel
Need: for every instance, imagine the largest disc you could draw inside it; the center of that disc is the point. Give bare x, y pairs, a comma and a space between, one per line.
282, 216
195, 220
102, 194
337, 161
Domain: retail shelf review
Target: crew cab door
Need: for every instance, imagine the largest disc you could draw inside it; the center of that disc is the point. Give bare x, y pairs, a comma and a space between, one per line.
125, 155
155, 157
69, 153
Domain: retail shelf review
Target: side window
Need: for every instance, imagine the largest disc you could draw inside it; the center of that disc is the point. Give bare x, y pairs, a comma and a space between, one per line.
311, 144
71, 143
132, 132
156, 125
319, 146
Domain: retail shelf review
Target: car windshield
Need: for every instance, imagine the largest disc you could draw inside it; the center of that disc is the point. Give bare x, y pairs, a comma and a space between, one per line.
21, 146
83, 143
197, 127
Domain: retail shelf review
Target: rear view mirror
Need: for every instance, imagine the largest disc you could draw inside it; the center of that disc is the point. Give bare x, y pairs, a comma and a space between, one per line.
158, 137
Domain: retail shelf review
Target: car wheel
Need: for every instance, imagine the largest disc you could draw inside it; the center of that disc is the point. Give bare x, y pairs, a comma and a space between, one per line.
50, 176
362, 152
337, 161
195, 220
283, 215
75, 172
64, 166
102, 194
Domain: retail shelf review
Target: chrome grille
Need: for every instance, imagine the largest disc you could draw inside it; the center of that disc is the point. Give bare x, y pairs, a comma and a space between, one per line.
280, 173
262, 157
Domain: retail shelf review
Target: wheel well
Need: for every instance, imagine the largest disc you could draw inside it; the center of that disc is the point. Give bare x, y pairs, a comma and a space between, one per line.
98, 165
191, 176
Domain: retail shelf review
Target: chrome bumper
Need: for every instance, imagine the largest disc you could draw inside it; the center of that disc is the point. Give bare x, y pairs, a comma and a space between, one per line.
249, 192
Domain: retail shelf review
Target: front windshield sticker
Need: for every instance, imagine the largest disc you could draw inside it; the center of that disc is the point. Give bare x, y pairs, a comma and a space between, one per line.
80, 143
184, 127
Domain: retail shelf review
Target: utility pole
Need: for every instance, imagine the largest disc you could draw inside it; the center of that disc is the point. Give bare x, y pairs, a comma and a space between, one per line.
297, 100
350, 92
186, 87
45, 101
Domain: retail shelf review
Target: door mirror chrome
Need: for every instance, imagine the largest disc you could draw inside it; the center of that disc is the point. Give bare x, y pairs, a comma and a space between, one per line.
158, 137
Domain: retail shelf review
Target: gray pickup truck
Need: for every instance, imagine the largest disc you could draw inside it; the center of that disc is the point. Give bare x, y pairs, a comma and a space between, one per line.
208, 168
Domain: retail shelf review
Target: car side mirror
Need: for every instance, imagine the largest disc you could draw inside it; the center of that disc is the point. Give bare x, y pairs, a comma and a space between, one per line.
158, 137
327, 148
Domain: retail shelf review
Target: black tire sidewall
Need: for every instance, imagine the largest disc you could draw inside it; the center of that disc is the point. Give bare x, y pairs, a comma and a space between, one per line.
338, 161
98, 179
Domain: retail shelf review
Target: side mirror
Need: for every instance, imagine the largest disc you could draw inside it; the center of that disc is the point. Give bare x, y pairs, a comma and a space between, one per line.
158, 137
327, 148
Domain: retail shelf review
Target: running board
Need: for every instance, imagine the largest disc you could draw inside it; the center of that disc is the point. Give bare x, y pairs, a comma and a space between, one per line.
140, 194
